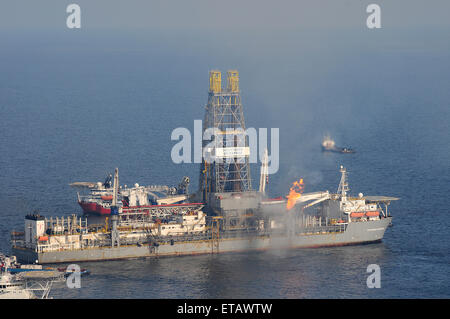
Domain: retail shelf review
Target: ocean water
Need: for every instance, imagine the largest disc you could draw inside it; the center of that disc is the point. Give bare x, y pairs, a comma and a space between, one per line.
73, 106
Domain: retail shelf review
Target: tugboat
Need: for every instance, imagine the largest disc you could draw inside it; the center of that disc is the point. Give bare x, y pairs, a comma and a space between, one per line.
328, 145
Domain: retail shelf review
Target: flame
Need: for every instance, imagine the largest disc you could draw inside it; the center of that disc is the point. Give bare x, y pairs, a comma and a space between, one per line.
294, 193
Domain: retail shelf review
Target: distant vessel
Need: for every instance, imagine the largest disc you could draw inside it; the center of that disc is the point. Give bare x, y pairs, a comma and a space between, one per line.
329, 145
99, 198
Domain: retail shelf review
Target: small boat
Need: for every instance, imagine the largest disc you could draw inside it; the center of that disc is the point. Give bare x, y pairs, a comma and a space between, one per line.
346, 150
67, 272
10, 265
329, 145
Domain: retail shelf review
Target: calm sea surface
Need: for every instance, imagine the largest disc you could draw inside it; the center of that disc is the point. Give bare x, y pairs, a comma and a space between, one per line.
73, 106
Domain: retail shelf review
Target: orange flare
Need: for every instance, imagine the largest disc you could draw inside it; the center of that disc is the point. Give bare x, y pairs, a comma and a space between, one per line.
294, 193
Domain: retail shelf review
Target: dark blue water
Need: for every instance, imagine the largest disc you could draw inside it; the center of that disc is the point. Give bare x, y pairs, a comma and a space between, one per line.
75, 105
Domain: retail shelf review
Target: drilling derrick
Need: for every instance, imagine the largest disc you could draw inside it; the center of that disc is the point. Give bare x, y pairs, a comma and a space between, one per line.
226, 175
229, 171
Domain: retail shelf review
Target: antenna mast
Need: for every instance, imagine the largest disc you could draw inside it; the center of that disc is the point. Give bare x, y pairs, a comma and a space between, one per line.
343, 185
264, 173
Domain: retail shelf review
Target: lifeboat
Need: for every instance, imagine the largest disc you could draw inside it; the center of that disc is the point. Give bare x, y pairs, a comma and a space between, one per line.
373, 214
353, 215
107, 197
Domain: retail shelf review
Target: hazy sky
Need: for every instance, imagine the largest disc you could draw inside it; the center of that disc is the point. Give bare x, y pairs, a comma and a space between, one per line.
307, 67
230, 14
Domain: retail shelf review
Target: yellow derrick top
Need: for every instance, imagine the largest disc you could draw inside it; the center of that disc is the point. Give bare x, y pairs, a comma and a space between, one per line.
215, 81
233, 81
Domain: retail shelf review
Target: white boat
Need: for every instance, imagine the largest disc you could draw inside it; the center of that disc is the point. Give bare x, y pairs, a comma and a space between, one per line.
11, 288
26, 285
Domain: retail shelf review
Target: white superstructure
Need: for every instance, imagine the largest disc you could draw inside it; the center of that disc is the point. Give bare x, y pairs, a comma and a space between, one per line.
10, 288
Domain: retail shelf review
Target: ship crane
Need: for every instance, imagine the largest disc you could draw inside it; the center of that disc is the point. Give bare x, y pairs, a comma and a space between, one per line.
319, 200
115, 211
316, 197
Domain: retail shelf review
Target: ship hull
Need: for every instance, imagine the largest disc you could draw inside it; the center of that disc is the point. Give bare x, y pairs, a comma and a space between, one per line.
94, 208
337, 150
355, 234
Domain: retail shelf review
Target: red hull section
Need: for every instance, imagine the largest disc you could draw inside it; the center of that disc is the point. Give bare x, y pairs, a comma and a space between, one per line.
94, 208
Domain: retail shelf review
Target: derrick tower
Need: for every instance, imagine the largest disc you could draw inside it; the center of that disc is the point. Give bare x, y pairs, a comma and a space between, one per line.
228, 170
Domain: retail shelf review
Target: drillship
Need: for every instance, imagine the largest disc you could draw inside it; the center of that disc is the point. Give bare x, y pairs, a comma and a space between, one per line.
340, 220
224, 215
